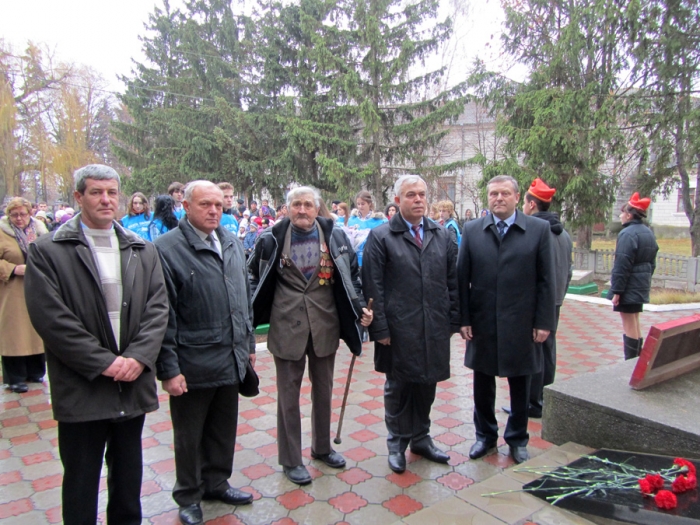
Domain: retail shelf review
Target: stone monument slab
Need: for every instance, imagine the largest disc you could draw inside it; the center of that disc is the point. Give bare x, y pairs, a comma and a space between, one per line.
670, 349
600, 410
617, 505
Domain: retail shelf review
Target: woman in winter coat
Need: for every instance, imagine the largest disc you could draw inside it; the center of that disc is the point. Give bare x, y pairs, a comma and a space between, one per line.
21, 347
164, 218
635, 261
138, 215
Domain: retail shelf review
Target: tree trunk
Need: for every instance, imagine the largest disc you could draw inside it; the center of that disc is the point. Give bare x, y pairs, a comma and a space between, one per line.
584, 237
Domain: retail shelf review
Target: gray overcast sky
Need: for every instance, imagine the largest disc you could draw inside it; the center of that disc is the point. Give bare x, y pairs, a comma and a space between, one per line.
103, 34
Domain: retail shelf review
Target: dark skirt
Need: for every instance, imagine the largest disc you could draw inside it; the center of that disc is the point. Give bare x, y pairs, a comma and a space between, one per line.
628, 308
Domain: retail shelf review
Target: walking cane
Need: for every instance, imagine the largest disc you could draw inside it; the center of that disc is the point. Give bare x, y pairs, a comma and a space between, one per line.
337, 439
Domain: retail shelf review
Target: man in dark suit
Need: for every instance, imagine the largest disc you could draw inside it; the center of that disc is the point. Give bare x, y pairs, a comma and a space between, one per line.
410, 271
506, 285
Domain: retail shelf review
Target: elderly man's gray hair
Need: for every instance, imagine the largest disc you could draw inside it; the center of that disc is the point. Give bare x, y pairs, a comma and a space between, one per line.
407, 179
505, 178
95, 172
191, 186
304, 190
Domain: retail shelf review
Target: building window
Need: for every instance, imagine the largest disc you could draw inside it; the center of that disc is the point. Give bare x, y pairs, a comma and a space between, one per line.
679, 207
446, 189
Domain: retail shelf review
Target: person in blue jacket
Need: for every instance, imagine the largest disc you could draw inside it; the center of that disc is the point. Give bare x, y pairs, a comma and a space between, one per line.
447, 219
363, 218
164, 218
138, 215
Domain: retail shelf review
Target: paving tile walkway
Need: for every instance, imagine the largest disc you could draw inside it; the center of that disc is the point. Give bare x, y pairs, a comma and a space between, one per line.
365, 493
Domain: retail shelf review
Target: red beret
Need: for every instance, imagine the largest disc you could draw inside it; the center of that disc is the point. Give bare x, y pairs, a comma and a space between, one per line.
257, 220
541, 191
640, 204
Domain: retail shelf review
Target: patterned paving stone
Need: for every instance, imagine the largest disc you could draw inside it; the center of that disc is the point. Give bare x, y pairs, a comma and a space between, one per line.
348, 502
361, 494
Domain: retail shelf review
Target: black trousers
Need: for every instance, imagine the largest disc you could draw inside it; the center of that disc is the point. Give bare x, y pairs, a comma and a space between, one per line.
549, 367
82, 450
407, 412
485, 422
18, 369
204, 426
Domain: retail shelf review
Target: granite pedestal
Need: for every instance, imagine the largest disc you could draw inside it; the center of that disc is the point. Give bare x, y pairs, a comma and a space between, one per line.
600, 410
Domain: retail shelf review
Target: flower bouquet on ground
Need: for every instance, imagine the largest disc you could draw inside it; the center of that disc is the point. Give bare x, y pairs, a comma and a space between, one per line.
618, 479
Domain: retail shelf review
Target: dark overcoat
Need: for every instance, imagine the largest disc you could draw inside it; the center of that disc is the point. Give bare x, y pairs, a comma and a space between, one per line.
416, 301
507, 288
635, 262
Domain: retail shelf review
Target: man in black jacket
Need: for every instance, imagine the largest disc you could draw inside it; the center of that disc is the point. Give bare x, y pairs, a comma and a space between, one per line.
306, 285
205, 350
104, 288
409, 269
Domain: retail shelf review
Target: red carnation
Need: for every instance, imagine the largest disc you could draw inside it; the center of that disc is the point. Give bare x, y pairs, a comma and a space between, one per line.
665, 499
645, 487
656, 481
685, 463
684, 483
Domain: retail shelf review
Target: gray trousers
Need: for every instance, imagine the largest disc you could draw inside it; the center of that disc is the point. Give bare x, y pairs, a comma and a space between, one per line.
289, 377
407, 412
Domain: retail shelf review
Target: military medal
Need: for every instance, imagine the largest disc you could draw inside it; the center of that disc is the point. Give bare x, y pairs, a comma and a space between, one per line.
325, 275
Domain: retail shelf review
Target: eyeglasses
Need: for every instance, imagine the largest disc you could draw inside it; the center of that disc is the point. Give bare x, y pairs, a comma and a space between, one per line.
19, 215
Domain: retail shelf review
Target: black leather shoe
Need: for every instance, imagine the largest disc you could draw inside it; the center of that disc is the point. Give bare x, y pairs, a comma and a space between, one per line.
231, 496
519, 454
480, 449
19, 388
35, 380
397, 462
535, 413
333, 459
430, 452
191, 515
298, 474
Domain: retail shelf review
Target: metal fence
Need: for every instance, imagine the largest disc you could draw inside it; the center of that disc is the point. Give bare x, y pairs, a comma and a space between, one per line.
675, 271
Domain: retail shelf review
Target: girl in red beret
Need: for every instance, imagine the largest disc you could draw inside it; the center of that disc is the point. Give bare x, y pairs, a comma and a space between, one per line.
635, 261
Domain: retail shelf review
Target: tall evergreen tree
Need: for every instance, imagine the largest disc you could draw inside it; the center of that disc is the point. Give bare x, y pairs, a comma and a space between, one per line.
566, 123
667, 48
400, 110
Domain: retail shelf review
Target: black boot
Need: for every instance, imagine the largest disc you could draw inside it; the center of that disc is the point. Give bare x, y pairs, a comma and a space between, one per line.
631, 347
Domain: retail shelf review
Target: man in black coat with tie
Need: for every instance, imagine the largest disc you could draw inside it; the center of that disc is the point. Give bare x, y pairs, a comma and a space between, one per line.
506, 285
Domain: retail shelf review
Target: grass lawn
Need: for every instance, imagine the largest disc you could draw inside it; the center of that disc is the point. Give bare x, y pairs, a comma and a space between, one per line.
672, 246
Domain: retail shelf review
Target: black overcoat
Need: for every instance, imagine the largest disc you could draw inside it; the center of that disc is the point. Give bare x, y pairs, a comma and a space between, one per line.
507, 288
416, 301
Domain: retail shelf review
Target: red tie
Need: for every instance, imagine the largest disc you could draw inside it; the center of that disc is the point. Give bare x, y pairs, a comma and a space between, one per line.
416, 235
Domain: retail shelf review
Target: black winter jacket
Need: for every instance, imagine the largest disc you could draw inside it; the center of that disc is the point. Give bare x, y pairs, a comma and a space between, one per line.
209, 298
635, 262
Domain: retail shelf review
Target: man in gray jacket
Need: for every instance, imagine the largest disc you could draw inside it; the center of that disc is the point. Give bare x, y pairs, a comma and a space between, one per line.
206, 349
108, 309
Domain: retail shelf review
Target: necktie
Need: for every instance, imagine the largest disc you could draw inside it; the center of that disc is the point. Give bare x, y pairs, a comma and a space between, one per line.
416, 235
212, 243
501, 225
